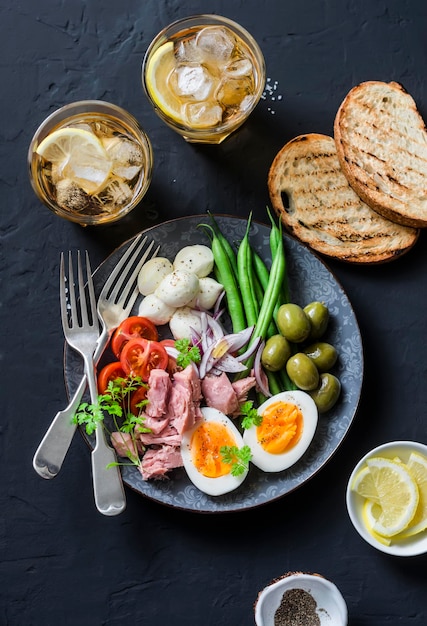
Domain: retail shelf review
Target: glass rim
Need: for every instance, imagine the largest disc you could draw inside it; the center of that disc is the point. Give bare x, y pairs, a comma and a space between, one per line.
82, 104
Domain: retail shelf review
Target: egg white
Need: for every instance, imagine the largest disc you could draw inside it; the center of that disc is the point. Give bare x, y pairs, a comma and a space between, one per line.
211, 486
277, 462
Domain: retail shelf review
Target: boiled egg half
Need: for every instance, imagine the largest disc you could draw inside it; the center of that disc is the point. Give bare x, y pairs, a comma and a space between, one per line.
289, 421
201, 456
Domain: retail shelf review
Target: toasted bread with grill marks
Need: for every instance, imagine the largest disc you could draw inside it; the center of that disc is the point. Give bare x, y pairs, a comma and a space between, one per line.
381, 143
316, 204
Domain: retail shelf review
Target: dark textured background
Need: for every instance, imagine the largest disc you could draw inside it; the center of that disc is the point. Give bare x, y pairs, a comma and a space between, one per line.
63, 563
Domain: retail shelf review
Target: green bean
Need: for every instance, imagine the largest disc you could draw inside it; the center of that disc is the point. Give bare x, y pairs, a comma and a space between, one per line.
274, 384
263, 274
286, 383
228, 281
275, 238
245, 275
228, 249
271, 293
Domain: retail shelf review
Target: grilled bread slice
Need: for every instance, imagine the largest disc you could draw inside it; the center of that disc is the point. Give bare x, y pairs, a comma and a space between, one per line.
381, 142
316, 204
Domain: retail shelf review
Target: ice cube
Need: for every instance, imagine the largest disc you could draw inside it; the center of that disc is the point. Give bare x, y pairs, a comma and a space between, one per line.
232, 91
216, 43
192, 81
246, 103
203, 114
116, 194
238, 68
126, 155
186, 51
71, 197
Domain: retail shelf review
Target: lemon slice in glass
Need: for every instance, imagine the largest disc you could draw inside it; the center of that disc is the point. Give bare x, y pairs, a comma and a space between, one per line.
398, 495
417, 465
79, 156
159, 67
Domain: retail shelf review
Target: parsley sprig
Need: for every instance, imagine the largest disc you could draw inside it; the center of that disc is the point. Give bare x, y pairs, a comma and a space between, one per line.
187, 353
115, 402
238, 458
251, 417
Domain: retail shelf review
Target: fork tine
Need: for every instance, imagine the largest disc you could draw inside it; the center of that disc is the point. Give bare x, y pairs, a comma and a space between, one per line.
124, 278
62, 293
71, 292
131, 280
121, 264
92, 297
131, 301
82, 294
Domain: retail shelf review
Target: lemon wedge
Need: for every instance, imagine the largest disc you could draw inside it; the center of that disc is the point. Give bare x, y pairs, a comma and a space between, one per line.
79, 156
417, 465
398, 495
363, 484
159, 67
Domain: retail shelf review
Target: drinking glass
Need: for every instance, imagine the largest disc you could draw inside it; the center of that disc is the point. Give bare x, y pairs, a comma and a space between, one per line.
90, 162
204, 75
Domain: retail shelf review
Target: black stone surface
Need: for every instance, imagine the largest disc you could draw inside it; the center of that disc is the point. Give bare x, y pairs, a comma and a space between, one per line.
60, 561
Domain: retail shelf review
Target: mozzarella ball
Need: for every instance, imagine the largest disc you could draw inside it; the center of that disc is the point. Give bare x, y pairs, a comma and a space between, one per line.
155, 310
209, 291
178, 288
152, 273
183, 321
197, 259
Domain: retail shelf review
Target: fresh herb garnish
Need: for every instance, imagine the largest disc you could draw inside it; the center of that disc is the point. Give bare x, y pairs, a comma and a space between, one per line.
251, 417
116, 402
187, 353
238, 458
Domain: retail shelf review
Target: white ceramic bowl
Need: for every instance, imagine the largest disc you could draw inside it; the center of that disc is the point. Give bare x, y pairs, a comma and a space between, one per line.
411, 546
331, 606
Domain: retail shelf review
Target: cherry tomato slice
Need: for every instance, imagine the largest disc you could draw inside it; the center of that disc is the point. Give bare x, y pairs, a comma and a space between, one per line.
172, 366
137, 396
109, 372
131, 328
168, 343
139, 356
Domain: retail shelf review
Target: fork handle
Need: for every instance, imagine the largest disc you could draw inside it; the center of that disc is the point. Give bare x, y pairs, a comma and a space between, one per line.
50, 454
108, 488
107, 481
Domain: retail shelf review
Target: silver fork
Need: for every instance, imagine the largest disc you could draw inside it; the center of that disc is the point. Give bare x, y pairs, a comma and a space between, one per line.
115, 303
81, 329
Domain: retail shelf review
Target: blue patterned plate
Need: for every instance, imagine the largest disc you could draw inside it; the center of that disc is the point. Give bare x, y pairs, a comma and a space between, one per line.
309, 279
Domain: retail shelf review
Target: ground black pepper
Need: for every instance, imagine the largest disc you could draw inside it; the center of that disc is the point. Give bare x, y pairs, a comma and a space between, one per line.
297, 608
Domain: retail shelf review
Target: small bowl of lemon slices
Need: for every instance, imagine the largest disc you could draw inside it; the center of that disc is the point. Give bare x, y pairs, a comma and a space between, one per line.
387, 498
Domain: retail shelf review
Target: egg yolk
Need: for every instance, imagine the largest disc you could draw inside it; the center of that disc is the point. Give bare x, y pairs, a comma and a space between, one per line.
281, 427
205, 449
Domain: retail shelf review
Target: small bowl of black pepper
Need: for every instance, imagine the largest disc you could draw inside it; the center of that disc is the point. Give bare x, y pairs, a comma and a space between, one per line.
300, 599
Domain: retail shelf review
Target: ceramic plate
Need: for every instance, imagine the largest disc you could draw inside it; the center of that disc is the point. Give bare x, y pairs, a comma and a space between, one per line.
309, 280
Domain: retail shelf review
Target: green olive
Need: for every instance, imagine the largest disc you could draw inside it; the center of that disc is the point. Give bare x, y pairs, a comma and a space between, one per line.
327, 393
324, 355
302, 371
276, 352
293, 323
318, 314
